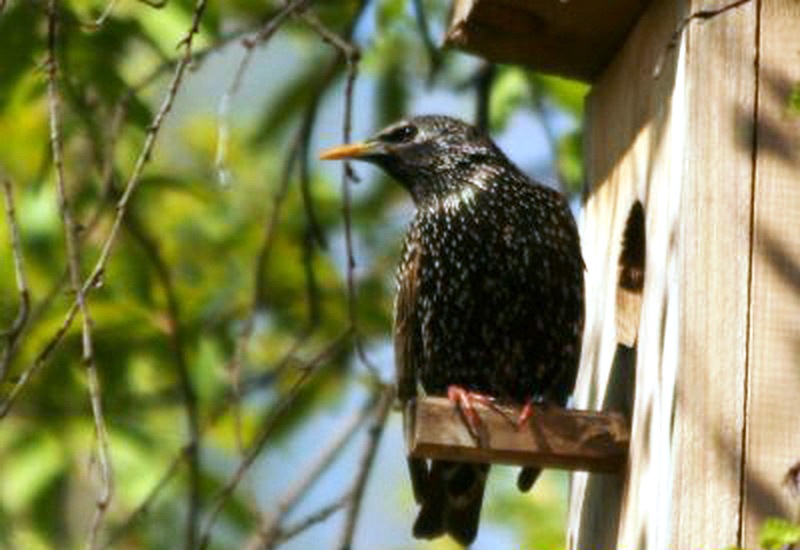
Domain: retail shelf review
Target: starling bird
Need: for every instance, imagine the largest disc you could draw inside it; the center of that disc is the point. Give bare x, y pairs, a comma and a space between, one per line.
490, 294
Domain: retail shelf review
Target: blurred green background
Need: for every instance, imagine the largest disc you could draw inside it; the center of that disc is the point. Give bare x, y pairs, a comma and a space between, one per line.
230, 272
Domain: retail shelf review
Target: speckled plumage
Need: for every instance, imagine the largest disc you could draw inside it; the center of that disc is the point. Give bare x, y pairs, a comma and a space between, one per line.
489, 293
498, 288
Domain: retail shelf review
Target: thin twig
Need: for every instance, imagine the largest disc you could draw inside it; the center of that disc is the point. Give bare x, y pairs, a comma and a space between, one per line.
218, 412
434, 53
148, 501
249, 43
365, 466
311, 286
702, 14
178, 344
259, 295
38, 312
198, 56
98, 22
316, 236
270, 530
297, 154
39, 362
351, 55
147, 148
73, 258
108, 143
13, 333
270, 423
95, 278
484, 80
318, 516
348, 50
106, 169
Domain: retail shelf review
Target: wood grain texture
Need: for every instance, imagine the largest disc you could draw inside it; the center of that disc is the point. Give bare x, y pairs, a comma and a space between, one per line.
772, 444
698, 117
575, 39
715, 242
664, 128
553, 438
635, 125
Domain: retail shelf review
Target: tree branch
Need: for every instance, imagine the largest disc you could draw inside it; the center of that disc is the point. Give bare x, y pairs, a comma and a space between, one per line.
275, 415
13, 333
270, 531
434, 53
73, 258
365, 466
320, 515
351, 55
249, 43
95, 278
177, 342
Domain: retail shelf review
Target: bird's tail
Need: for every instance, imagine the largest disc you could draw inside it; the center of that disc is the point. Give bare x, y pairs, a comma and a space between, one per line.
451, 499
527, 477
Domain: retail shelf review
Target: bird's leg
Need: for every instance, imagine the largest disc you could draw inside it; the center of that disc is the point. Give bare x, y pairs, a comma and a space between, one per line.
529, 409
525, 414
464, 400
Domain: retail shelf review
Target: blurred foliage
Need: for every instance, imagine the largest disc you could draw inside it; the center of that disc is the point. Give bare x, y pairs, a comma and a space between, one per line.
539, 519
777, 533
190, 243
515, 88
793, 107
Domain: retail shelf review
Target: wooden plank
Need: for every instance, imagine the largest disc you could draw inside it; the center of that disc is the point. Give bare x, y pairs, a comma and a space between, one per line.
664, 128
552, 438
635, 121
574, 38
715, 241
772, 444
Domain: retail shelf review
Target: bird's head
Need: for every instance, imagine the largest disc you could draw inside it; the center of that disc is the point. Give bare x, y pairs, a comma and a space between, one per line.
431, 156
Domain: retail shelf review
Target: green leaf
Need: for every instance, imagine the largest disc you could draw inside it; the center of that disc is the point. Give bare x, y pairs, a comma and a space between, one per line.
793, 107
510, 90
388, 13
778, 532
21, 44
29, 469
392, 93
569, 95
570, 160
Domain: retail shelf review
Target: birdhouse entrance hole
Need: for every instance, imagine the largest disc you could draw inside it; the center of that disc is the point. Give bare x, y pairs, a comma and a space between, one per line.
631, 276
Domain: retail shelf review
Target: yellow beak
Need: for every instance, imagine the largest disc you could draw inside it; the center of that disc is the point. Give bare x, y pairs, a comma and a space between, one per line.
349, 151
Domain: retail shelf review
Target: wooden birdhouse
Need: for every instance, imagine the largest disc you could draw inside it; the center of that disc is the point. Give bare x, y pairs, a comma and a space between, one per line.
691, 237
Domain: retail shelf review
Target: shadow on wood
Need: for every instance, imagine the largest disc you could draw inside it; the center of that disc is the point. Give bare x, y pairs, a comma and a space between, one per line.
575, 39
552, 438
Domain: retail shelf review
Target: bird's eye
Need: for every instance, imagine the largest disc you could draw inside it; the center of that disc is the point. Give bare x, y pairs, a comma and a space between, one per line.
401, 134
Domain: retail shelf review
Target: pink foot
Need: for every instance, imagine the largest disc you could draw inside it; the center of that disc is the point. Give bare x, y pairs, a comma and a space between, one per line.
524, 415
464, 400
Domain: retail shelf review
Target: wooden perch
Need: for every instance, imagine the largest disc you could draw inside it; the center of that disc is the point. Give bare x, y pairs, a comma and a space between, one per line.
553, 437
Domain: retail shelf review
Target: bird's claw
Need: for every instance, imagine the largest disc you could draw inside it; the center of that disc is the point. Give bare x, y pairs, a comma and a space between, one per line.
464, 400
525, 414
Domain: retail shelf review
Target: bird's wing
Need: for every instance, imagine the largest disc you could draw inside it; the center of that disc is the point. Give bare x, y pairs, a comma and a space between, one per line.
408, 351
407, 334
